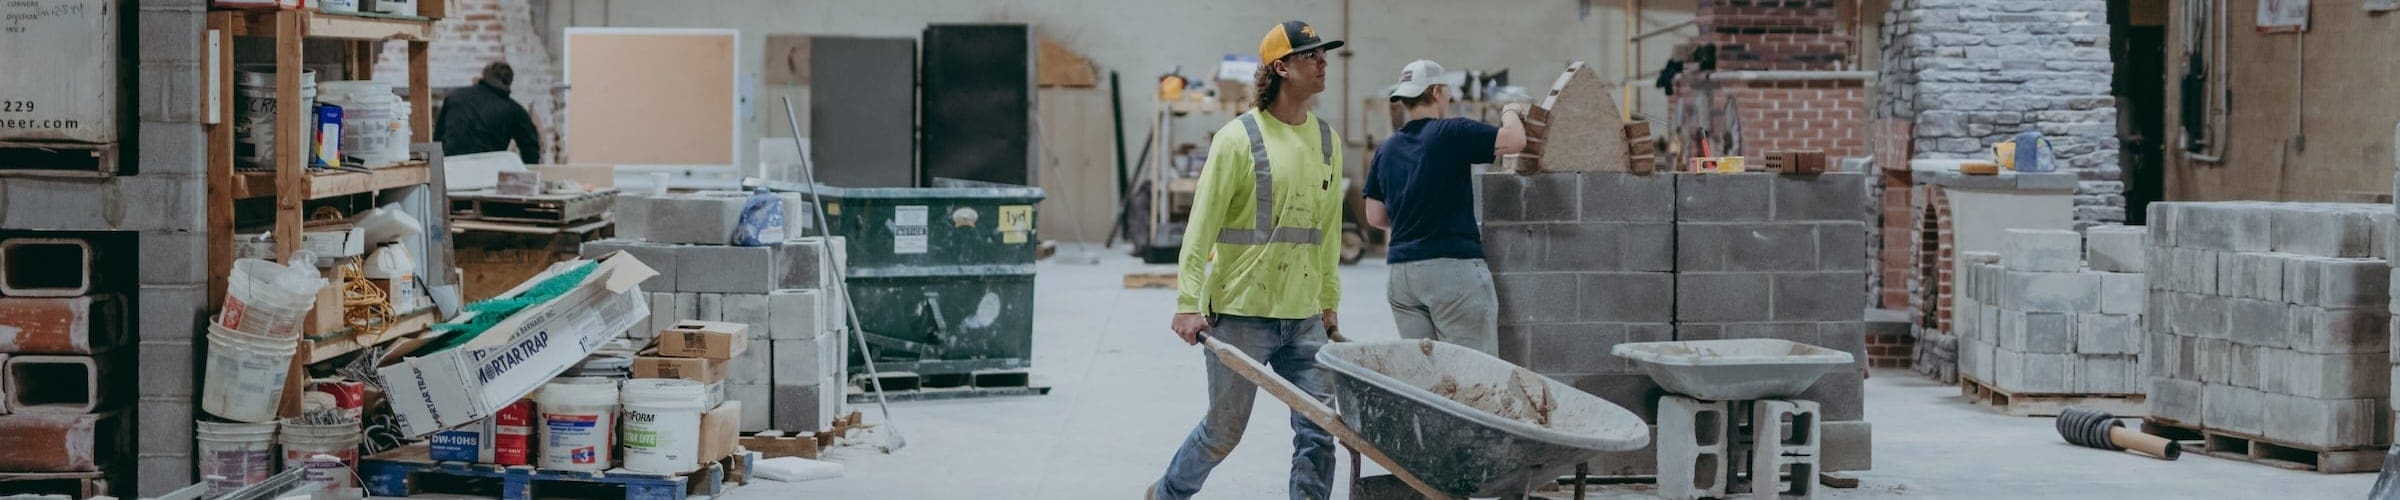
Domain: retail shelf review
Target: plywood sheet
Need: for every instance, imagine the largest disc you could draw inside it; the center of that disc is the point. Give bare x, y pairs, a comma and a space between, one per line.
1059, 66
786, 60
651, 96
1587, 132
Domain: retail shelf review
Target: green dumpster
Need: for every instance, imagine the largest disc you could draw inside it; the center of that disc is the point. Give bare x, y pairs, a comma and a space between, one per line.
941, 277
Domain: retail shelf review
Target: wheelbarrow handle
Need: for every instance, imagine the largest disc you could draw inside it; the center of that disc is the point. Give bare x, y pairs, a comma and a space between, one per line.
1316, 411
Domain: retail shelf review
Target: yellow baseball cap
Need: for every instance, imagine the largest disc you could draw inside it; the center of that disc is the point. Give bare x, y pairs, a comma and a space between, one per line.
1292, 36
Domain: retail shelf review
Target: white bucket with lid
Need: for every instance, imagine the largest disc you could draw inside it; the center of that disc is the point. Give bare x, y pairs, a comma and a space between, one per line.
395, 7
662, 424
338, 6
301, 441
255, 104
269, 299
578, 419
245, 376
234, 455
373, 126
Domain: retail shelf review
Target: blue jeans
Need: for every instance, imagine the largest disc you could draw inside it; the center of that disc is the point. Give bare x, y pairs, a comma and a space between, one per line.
1289, 346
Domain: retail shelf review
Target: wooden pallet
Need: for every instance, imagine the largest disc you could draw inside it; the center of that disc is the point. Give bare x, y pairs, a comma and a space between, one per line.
2248, 448
2048, 405
71, 484
1137, 280
774, 443
550, 209
909, 386
57, 159
410, 470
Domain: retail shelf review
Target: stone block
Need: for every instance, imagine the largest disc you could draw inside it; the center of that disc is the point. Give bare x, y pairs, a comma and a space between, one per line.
2331, 282
1822, 197
687, 306
1514, 248
802, 408
2123, 293
753, 366
2232, 227
2327, 423
802, 265
2258, 322
1553, 197
2159, 354
169, 257
1845, 336
172, 312
2243, 365
2107, 334
2178, 401
1819, 296
2235, 409
699, 219
725, 269
1625, 197
1842, 246
2116, 249
2109, 375
163, 201
799, 362
1720, 297
663, 314
1745, 247
712, 307
1606, 246
2043, 250
1692, 447
1501, 197
1627, 297
2334, 376
2045, 333
758, 401
749, 309
166, 427
1745, 197
2192, 270
796, 314
2050, 292
2324, 232
2215, 364
2197, 315
1848, 445
1537, 298
1841, 394
2251, 275
1793, 448
661, 258
2187, 357
632, 212
2029, 373
2318, 330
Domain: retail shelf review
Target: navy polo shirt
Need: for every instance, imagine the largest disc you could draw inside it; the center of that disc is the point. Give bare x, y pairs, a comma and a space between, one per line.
1423, 176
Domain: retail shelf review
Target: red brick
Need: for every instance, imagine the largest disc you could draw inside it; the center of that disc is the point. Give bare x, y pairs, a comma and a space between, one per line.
60, 442
64, 325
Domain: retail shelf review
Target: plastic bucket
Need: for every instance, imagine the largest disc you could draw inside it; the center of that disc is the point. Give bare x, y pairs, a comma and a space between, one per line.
662, 424
245, 374
234, 455
371, 128
396, 7
254, 116
338, 6
578, 417
256, 304
301, 441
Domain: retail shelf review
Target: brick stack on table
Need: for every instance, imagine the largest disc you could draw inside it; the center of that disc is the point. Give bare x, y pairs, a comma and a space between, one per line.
795, 377
2038, 330
2274, 339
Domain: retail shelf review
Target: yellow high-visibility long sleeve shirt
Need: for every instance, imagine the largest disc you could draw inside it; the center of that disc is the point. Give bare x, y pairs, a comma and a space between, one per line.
1275, 238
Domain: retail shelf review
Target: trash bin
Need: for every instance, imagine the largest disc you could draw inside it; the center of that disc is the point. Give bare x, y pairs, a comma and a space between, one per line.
941, 277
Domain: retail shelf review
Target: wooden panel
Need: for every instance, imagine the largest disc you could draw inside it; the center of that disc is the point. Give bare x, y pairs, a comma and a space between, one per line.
651, 97
1059, 66
786, 60
2308, 124
220, 164
1081, 185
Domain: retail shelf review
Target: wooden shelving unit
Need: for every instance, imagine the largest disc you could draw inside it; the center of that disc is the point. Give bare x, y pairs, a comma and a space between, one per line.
290, 183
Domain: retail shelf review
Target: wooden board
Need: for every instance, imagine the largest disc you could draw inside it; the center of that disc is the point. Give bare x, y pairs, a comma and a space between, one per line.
2247, 448
1150, 280
1315, 411
1586, 131
1059, 66
777, 444
786, 60
2049, 405
652, 97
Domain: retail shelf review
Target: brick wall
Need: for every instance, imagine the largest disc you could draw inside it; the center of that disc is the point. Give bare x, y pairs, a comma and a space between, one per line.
1781, 115
1889, 238
1776, 83
478, 33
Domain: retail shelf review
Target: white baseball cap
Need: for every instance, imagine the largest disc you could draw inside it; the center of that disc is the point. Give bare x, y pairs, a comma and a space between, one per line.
1416, 77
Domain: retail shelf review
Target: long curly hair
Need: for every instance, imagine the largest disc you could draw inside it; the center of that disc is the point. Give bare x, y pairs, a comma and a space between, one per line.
1269, 84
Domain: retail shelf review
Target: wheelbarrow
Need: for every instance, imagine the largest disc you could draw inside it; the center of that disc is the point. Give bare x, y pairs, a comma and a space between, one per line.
1450, 421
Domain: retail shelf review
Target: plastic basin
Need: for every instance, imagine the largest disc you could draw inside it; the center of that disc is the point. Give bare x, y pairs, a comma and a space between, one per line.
1733, 370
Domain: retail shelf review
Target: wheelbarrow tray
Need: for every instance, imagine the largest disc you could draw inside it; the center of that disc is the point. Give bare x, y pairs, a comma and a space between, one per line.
1470, 424
1733, 370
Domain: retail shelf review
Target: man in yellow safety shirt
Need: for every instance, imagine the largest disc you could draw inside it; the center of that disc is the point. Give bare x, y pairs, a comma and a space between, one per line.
1269, 208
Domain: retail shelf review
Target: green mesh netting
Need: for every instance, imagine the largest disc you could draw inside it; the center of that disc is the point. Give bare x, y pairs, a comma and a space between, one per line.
490, 312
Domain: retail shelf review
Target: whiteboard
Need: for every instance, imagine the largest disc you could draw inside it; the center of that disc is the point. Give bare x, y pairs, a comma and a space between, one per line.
652, 97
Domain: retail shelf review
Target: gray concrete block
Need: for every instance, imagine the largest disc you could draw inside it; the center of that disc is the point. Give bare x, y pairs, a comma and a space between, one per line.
1578, 348
2011, 330
2197, 315
1632, 391
1553, 197
712, 307
1745, 247
2318, 330
2385, 232
661, 258
700, 219
1821, 296
1514, 344
2258, 322
2324, 231
755, 365
2244, 366
2042, 250
1699, 331
1601, 246
1625, 197
161, 201
1847, 445
1537, 298
2341, 283
165, 426
1501, 197
663, 314
2159, 354
1829, 196
2215, 362
2154, 312
2192, 270
2161, 224
749, 309
2336, 376
2236, 409
1802, 332
632, 213
800, 408
2109, 375
168, 369
802, 264
2107, 334
796, 314
170, 258
1745, 197
2327, 423
2045, 333
1841, 394
2179, 401
687, 306
2187, 358
758, 403
799, 362
1721, 297
2123, 293
1842, 246
2116, 249
2251, 274
725, 269
1514, 248
1627, 297
2050, 292
2233, 227
172, 312
1845, 336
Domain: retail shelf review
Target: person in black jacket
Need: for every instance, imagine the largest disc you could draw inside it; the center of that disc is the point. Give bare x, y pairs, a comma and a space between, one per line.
482, 118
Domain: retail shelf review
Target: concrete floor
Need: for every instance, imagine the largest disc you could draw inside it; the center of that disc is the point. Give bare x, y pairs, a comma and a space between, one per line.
1126, 392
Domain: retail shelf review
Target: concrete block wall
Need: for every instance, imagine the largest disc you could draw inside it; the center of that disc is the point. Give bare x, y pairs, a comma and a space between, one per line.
2276, 321
2034, 320
1582, 261
795, 374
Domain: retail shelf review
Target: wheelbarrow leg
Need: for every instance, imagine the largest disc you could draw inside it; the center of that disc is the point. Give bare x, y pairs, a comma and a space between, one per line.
1583, 474
1314, 410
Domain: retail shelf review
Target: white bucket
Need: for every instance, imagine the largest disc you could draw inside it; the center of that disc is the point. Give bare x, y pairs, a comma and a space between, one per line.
245, 376
268, 299
338, 6
254, 112
662, 424
396, 7
578, 418
301, 441
234, 455
373, 129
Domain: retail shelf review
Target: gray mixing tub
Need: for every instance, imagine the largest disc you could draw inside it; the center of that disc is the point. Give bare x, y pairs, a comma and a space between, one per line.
1468, 423
1733, 370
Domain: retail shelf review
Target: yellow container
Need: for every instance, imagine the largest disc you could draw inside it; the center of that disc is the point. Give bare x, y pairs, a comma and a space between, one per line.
2006, 153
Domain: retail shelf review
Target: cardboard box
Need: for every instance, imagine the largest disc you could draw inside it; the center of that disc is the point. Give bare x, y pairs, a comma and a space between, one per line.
707, 371
430, 391
720, 431
704, 339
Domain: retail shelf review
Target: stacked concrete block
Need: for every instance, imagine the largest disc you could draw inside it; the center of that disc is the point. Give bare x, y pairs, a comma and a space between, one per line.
1761, 255
2034, 321
2279, 322
1582, 261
